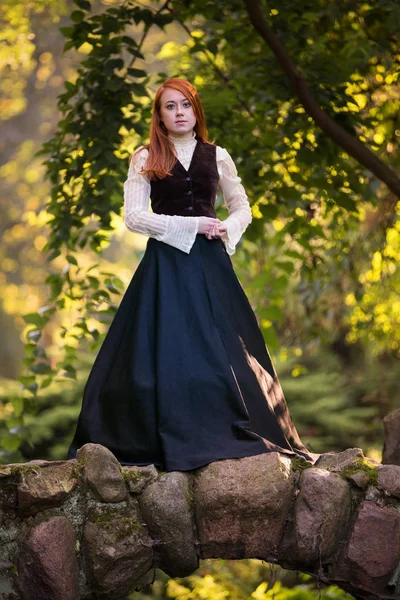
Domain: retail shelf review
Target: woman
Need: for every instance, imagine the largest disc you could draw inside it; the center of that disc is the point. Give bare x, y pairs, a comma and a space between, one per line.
183, 377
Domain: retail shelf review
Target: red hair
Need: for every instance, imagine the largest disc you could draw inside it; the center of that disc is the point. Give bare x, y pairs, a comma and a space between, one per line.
162, 159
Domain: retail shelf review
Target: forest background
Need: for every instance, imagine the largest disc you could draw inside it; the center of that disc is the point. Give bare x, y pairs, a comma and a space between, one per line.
308, 107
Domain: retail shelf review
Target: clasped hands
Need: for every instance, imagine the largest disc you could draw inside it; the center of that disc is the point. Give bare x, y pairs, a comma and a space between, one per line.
211, 228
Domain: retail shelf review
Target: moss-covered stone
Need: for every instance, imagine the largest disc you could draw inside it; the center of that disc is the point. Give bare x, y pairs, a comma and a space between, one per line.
120, 526
300, 464
78, 467
131, 475
138, 478
25, 468
189, 497
364, 465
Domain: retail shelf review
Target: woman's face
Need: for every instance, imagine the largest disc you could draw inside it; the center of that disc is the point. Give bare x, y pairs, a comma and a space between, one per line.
176, 112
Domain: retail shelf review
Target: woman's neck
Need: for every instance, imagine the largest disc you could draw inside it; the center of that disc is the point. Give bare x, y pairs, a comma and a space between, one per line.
183, 139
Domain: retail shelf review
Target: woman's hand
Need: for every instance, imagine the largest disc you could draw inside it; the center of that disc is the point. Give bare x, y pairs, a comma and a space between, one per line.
205, 223
211, 228
216, 231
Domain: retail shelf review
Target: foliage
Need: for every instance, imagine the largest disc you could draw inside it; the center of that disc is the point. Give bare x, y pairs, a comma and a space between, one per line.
235, 580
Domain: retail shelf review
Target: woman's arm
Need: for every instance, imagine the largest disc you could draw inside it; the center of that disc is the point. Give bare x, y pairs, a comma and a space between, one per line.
174, 230
235, 199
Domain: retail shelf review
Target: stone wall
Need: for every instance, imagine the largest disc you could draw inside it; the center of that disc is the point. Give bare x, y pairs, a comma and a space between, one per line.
90, 528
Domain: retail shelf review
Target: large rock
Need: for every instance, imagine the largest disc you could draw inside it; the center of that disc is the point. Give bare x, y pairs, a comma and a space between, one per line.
47, 563
137, 478
117, 551
241, 505
337, 461
389, 480
322, 512
391, 446
44, 487
373, 551
102, 472
166, 506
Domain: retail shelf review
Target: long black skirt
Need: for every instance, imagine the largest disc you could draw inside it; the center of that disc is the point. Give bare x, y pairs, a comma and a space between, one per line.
183, 377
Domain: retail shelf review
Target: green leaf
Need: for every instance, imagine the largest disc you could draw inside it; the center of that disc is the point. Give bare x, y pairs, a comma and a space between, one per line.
286, 266
14, 421
293, 254
69, 372
270, 337
135, 52
137, 72
53, 255
212, 46
10, 442
18, 405
41, 369
269, 211
162, 20
34, 335
67, 31
46, 382
32, 387
272, 313
71, 259
34, 319
129, 41
114, 63
77, 16
111, 286
85, 4
345, 202
114, 84
139, 89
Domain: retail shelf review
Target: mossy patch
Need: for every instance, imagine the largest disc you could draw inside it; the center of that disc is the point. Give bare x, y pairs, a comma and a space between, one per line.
300, 464
25, 468
78, 467
362, 464
189, 497
131, 475
120, 526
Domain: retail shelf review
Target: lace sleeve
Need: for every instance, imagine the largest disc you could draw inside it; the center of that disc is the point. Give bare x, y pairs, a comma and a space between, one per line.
235, 199
174, 230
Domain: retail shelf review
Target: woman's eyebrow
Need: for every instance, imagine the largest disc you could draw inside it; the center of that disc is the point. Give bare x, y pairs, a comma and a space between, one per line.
169, 101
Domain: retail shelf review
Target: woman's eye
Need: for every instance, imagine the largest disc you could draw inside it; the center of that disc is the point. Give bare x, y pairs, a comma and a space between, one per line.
186, 105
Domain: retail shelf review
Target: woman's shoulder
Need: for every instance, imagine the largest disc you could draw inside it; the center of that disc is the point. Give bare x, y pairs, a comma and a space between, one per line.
140, 153
222, 154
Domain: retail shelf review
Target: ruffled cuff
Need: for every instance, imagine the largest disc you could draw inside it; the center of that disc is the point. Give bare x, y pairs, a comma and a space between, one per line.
181, 232
236, 224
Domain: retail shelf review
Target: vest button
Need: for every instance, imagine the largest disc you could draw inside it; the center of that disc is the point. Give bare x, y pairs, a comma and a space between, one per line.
187, 178
189, 192
190, 207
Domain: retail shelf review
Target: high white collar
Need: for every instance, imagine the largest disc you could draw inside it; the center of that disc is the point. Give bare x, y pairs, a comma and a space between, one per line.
182, 141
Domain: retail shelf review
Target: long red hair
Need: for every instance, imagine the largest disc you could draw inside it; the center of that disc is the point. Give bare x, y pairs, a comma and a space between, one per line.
162, 159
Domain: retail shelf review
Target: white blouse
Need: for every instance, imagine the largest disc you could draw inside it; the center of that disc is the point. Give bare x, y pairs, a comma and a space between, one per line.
180, 231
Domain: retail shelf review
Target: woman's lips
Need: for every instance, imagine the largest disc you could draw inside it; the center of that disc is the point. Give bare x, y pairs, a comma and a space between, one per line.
178, 122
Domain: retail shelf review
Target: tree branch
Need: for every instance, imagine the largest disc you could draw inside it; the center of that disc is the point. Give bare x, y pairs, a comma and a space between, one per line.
340, 136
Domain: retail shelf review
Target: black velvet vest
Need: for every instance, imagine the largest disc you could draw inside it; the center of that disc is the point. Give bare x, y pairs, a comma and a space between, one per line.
189, 193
